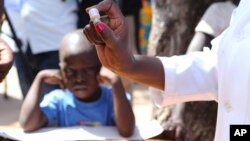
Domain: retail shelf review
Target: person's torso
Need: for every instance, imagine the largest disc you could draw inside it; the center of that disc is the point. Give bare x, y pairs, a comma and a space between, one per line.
234, 74
216, 18
47, 21
13, 8
72, 112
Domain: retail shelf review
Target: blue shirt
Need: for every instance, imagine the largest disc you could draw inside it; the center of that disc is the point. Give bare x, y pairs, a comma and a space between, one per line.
63, 109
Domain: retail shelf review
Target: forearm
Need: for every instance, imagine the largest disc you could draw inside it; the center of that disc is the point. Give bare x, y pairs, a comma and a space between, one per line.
125, 120
199, 41
31, 116
146, 70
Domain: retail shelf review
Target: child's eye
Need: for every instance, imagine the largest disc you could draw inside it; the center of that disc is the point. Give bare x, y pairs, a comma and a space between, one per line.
91, 70
69, 71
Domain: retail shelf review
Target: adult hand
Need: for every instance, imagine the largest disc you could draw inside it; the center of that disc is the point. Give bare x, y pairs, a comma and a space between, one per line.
110, 37
6, 59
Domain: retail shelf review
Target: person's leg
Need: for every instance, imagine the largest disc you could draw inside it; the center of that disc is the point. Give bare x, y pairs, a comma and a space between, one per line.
137, 28
24, 73
131, 28
128, 84
48, 60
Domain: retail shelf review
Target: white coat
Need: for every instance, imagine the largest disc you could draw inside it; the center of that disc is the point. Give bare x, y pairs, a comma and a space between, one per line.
222, 74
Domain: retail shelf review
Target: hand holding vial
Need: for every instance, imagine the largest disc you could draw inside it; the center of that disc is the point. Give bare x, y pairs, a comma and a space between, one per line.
110, 35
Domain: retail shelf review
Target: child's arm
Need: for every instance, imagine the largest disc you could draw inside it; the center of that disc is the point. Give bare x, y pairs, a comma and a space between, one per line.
31, 117
125, 120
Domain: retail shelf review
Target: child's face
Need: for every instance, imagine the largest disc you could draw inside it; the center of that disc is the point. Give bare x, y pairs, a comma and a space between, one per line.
80, 75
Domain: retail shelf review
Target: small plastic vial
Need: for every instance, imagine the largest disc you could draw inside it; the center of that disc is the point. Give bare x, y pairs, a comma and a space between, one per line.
94, 15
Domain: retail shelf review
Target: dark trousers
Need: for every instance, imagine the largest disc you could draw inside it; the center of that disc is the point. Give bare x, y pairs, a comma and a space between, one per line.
28, 65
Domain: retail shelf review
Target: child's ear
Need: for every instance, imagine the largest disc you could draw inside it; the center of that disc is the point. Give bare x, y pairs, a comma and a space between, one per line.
99, 78
61, 65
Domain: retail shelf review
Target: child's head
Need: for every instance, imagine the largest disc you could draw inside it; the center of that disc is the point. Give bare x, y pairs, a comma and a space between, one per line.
79, 66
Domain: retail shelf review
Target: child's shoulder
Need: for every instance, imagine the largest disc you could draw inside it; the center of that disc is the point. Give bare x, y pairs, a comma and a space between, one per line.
105, 88
58, 94
107, 91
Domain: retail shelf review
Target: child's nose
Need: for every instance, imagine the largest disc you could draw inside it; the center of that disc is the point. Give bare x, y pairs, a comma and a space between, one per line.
80, 76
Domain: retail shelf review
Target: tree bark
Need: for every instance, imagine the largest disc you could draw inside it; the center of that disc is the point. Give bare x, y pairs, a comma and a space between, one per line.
173, 23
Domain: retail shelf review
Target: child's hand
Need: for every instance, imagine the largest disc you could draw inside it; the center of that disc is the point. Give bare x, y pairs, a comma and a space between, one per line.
107, 76
52, 76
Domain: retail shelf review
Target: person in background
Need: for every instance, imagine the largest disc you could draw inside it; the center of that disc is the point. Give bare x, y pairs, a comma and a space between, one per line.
220, 74
1, 9
6, 59
39, 27
213, 22
6, 54
82, 100
131, 10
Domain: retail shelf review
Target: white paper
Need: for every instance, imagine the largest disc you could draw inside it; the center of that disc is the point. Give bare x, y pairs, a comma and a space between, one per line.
141, 132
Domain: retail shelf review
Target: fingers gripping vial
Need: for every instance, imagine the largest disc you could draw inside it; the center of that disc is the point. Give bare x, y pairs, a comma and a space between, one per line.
96, 18
94, 15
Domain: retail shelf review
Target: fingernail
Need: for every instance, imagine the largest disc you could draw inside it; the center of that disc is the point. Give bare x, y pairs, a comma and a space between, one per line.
99, 27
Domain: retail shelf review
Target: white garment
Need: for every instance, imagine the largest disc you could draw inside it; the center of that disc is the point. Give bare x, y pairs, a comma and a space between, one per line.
47, 21
222, 74
44, 22
13, 8
216, 18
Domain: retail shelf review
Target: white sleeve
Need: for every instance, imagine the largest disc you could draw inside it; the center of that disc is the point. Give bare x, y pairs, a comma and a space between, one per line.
216, 18
191, 77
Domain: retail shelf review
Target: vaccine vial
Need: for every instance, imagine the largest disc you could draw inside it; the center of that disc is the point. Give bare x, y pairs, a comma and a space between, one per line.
94, 15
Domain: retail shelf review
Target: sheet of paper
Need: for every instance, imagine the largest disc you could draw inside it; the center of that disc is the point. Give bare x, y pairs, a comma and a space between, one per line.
145, 131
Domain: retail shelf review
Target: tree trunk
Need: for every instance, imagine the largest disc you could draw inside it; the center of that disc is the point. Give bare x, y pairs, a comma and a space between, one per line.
173, 23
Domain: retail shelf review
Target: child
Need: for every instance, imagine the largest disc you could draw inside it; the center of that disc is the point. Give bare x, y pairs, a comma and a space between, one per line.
82, 101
